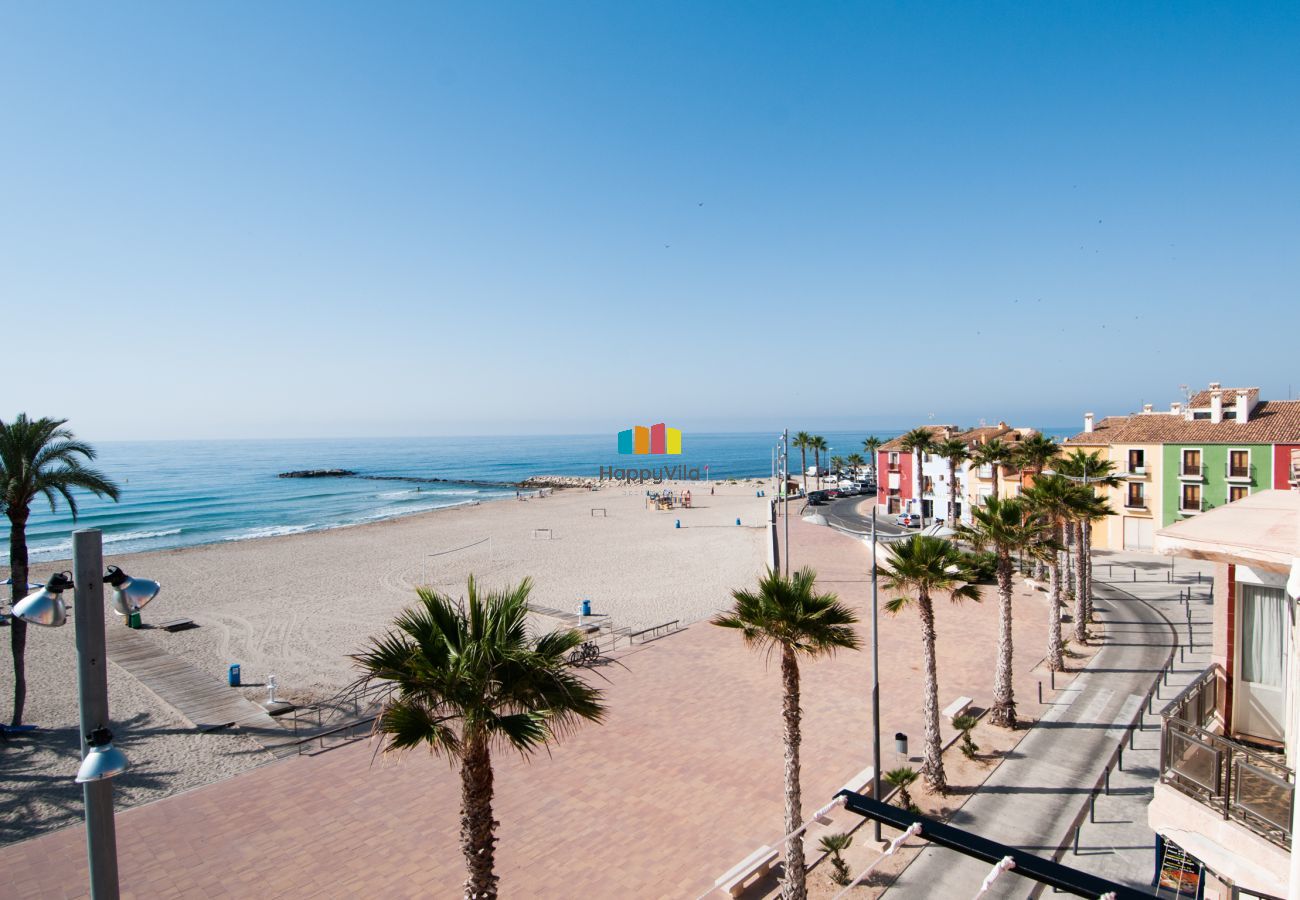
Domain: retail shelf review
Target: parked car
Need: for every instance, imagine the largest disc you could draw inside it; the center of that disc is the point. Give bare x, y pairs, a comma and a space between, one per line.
816, 498
833, 493
909, 520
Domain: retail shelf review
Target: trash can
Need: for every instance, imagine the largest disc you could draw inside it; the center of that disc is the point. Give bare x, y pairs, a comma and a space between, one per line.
586, 607
133, 620
233, 676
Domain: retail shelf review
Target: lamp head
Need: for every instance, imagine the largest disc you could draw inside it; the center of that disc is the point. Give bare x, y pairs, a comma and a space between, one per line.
103, 760
130, 595
45, 606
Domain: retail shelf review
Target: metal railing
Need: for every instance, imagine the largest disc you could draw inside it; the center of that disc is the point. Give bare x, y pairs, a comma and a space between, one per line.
1191, 471
1135, 502
1244, 785
1295, 474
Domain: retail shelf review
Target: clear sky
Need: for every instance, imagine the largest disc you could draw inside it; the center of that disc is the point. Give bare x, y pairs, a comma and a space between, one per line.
240, 219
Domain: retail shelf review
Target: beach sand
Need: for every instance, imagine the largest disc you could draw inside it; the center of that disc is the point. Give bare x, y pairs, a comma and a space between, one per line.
295, 606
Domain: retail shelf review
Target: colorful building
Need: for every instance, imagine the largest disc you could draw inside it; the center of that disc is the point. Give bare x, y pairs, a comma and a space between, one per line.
1218, 447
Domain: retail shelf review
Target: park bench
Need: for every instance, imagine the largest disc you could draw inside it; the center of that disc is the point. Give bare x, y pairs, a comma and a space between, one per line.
756, 864
860, 782
957, 708
177, 624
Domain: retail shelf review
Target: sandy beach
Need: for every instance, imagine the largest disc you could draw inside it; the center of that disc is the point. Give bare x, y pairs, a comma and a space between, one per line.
295, 606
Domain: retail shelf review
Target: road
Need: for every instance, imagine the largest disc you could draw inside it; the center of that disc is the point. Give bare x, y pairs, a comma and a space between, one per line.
854, 514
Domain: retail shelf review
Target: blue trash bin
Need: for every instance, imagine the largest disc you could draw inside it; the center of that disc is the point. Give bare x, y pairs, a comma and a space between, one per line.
586, 607
233, 675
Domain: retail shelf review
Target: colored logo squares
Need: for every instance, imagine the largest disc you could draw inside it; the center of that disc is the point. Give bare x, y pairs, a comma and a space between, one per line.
657, 439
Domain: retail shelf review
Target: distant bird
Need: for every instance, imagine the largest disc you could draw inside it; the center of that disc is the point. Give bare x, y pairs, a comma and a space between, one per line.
1099, 221
699, 204
666, 246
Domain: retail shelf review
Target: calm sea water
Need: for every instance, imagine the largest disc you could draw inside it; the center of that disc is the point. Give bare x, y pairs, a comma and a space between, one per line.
180, 493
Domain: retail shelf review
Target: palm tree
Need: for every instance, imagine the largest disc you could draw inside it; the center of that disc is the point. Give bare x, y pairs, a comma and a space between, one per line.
872, 447
787, 615
956, 452
922, 566
1035, 452
1088, 469
993, 454
818, 447
834, 845
38, 457
1059, 501
916, 442
837, 465
1005, 527
902, 778
855, 462
467, 677
803, 440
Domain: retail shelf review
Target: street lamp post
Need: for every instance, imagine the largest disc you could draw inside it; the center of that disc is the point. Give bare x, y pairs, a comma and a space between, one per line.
785, 492
875, 675
92, 687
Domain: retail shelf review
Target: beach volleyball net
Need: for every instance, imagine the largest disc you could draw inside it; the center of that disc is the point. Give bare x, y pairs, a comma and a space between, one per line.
452, 565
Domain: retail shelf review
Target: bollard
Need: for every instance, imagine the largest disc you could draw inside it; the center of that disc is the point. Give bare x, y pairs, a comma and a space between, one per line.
1076, 840
1135, 574
1040, 693
1121, 757
1092, 809
1108, 781
1052, 675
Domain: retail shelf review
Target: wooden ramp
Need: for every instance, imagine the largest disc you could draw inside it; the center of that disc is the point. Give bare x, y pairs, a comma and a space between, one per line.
200, 699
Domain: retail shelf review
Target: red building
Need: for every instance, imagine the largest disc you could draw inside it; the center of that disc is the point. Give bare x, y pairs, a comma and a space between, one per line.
1286, 467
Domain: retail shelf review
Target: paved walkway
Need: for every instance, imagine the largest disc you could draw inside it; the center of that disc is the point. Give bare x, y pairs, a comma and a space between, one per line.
1032, 799
682, 782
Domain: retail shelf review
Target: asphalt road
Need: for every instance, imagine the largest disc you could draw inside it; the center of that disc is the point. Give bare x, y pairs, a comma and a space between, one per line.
854, 514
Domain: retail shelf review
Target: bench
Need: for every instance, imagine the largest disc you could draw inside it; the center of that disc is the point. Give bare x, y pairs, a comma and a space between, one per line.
957, 708
860, 782
177, 624
757, 863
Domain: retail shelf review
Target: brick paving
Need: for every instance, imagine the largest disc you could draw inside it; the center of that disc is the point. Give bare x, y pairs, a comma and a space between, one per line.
683, 781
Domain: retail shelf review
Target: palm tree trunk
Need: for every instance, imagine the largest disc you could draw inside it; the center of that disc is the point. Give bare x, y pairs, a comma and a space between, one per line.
1055, 659
794, 886
803, 464
920, 492
477, 827
1080, 604
1004, 698
932, 769
17, 627
952, 493
995, 467
1086, 545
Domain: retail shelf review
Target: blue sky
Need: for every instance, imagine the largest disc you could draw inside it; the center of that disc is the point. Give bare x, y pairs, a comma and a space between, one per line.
244, 219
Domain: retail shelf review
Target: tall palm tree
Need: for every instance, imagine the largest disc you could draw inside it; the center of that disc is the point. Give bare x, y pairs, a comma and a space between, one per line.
818, 448
467, 677
993, 454
922, 566
803, 440
872, 447
1092, 471
837, 465
956, 452
855, 462
1059, 502
1005, 527
38, 457
789, 616
916, 442
1035, 452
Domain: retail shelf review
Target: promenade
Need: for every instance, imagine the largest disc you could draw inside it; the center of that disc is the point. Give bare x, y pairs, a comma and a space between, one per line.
682, 782
1034, 797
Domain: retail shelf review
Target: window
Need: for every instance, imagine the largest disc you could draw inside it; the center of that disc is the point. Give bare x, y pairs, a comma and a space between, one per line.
1136, 495
927, 485
1192, 463
1238, 492
1238, 463
1191, 498
1137, 460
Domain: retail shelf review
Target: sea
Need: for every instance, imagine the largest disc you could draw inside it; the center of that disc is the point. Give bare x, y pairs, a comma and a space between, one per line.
183, 493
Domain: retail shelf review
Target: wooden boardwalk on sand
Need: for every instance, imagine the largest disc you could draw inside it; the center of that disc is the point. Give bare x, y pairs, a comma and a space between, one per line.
200, 699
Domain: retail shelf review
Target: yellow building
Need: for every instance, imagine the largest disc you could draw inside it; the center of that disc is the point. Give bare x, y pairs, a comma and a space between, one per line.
1136, 504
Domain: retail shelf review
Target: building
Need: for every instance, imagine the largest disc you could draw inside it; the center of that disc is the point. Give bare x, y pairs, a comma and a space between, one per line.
1230, 743
1219, 446
896, 488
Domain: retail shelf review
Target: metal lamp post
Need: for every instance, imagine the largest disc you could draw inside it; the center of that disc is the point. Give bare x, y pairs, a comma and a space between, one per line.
875, 674
101, 761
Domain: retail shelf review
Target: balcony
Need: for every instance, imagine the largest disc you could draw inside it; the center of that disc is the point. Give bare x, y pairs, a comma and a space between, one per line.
1239, 473
1135, 502
1190, 473
1294, 477
1135, 472
1238, 784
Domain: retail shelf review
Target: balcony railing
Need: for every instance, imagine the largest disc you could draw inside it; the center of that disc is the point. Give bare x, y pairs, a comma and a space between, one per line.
1190, 471
1242, 784
1245, 473
1135, 502
1295, 474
